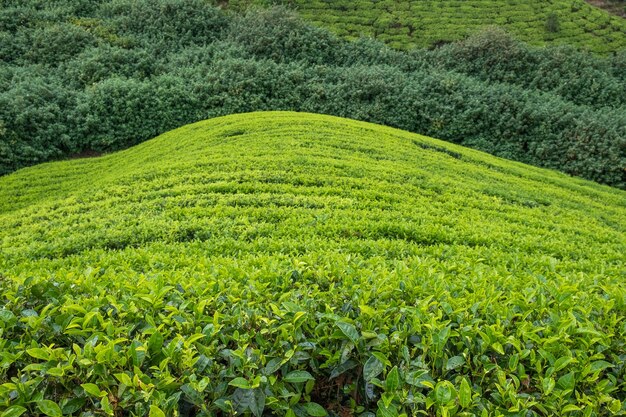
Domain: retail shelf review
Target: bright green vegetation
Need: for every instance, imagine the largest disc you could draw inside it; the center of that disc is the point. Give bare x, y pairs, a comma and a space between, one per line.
297, 264
423, 23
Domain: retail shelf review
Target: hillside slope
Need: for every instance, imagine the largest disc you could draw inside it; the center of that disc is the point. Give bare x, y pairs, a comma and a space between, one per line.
298, 264
424, 23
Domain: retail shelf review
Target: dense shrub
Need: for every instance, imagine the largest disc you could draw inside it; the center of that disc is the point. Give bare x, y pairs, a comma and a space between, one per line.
119, 112
10, 47
99, 63
125, 71
51, 45
38, 113
165, 23
282, 36
618, 65
491, 54
578, 76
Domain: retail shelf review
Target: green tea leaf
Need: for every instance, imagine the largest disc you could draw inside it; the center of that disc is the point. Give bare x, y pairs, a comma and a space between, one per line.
444, 392
465, 394
14, 411
417, 378
39, 353
92, 389
344, 367
106, 405
567, 381
298, 376
239, 382
49, 408
455, 362
155, 343
156, 411
243, 399
381, 357
124, 379
562, 363
314, 409
393, 379
74, 405
441, 337
548, 385
615, 406
600, 366
570, 408
137, 353
272, 366
498, 348
386, 411
349, 331
55, 372
257, 405
7, 317
372, 368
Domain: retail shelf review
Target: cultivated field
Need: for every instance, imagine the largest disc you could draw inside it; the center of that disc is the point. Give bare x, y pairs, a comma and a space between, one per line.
404, 24
297, 264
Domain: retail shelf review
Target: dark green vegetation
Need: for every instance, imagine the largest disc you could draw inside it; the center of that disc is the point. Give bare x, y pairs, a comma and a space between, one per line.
78, 76
294, 264
424, 23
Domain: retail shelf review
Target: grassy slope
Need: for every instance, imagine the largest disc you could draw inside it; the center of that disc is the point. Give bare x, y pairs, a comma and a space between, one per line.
433, 250
404, 24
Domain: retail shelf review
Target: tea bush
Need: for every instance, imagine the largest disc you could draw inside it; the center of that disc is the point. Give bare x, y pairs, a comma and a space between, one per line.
305, 265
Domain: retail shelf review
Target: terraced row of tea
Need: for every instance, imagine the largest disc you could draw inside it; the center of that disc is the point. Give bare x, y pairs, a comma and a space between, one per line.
294, 264
404, 24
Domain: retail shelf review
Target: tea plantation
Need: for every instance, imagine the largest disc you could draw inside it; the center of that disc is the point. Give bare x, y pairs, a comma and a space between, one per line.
404, 24
303, 265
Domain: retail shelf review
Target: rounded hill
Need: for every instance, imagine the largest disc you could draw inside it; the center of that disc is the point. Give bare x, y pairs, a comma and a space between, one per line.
295, 264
